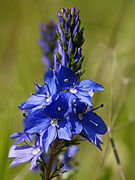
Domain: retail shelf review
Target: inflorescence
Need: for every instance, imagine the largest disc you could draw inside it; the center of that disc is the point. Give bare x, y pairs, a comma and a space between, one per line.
61, 111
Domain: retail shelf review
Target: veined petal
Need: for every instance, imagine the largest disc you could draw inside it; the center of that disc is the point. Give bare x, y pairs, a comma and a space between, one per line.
57, 108
16, 135
84, 98
89, 133
76, 125
20, 151
33, 101
34, 160
71, 152
88, 85
94, 121
64, 129
18, 161
70, 97
66, 77
52, 84
48, 137
37, 122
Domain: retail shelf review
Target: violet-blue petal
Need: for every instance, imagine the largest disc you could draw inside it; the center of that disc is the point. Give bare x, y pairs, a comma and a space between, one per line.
33, 163
18, 161
66, 77
57, 108
76, 125
16, 135
37, 122
87, 85
20, 151
94, 121
20, 139
71, 152
84, 98
64, 129
48, 137
89, 133
51, 80
79, 107
70, 97
33, 101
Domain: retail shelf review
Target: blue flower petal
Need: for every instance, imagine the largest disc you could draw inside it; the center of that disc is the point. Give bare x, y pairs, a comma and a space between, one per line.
70, 97
34, 164
88, 85
48, 137
37, 122
57, 108
76, 125
66, 77
64, 129
84, 98
94, 121
90, 134
51, 80
33, 101
71, 152
20, 151
16, 135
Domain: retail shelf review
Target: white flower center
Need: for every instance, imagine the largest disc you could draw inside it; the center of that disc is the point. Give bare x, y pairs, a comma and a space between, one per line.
48, 99
73, 90
54, 122
35, 151
91, 93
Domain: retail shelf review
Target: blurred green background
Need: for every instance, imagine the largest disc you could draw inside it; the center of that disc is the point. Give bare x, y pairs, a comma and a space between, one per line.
109, 52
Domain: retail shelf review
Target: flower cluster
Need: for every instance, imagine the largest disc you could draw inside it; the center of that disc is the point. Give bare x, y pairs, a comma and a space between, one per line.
62, 108
48, 43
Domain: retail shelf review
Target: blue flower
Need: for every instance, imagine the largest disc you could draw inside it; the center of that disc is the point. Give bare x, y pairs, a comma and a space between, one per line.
89, 125
25, 153
44, 94
50, 122
67, 157
84, 90
48, 43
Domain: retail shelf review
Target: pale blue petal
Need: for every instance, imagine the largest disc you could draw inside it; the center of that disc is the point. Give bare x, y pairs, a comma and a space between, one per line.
48, 137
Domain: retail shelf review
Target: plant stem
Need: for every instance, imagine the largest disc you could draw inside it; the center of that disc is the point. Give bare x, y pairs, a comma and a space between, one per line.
51, 159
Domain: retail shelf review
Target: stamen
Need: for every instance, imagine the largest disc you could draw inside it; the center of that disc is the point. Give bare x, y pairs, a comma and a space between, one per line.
54, 122
46, 83
66, 80
73, 90
35, 151
97, 107
48, 99
29, 138
59, 108
94, 123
